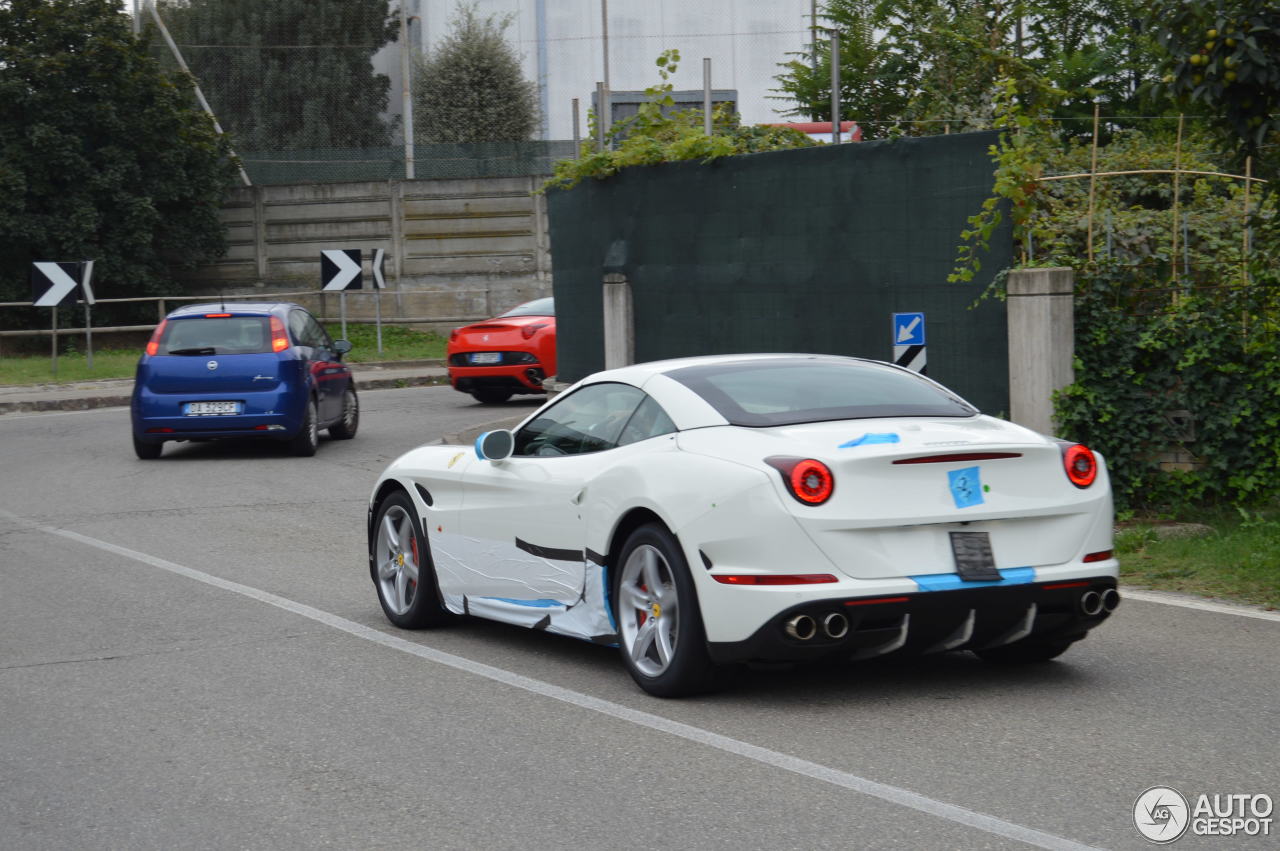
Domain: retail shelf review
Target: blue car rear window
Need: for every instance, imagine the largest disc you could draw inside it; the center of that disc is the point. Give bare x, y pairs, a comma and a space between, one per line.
203, 335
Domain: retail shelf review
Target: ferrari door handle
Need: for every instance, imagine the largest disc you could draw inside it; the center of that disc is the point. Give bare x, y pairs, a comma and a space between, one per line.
576, 499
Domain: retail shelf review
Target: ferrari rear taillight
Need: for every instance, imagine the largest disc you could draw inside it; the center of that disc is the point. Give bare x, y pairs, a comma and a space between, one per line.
453, 335
1080, 464
529, 330
153, 347
808, 480
279, 339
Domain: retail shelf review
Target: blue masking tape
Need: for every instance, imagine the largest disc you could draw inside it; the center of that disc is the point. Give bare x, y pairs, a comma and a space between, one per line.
867, 439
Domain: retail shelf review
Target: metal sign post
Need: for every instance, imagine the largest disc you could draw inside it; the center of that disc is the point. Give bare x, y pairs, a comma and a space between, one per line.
378, 265
340, 270
51, 284
909, 341
86, 296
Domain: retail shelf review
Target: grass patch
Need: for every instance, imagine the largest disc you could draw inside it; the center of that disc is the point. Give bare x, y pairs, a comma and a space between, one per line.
398, 343
1239, 559
72, 366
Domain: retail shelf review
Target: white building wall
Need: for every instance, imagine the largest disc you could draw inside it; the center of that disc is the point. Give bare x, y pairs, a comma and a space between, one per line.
745, 39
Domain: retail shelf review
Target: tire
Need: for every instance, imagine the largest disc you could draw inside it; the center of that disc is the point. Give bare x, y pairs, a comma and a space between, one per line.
1025, 652
345, 428
402, 570
305, 443
491, 397
147, 450
661, 636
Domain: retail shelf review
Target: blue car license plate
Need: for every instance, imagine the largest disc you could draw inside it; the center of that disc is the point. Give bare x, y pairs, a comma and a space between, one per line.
210, 409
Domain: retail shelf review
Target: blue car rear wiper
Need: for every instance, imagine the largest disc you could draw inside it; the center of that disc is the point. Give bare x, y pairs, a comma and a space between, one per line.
205, 350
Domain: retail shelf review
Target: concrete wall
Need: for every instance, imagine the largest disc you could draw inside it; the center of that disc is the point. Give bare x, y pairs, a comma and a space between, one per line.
455, 249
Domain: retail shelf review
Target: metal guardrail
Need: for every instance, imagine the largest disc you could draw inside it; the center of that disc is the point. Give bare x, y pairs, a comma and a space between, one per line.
162, 310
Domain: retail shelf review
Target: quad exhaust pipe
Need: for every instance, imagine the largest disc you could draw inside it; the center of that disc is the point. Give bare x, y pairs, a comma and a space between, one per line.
1110, 599
1094, 603
802, 627
833, 625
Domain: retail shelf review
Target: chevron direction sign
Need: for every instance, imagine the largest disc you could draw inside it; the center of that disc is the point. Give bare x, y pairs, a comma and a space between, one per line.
52, 283
379, 264
340, 269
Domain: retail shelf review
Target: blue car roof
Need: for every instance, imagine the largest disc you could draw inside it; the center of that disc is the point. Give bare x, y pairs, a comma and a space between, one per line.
260, 308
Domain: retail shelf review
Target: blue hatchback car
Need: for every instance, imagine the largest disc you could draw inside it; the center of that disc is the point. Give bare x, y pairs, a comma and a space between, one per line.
266, 370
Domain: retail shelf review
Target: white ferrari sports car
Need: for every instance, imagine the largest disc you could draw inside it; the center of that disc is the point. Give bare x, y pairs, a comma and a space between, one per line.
716, 510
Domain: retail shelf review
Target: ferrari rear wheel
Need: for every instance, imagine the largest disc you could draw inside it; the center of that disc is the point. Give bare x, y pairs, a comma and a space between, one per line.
402, 567
490, 397
663, 643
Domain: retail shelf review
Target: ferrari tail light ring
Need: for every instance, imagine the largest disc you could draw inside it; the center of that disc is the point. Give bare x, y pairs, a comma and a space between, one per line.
808, 480
1080, 464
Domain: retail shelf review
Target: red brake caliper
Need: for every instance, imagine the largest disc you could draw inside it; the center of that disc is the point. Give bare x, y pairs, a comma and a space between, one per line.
413, 545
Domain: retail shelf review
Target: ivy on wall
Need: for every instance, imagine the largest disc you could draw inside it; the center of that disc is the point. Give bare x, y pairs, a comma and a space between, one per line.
1182, 399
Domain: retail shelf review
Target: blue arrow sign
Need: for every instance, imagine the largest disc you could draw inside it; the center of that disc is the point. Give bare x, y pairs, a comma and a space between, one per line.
908, 329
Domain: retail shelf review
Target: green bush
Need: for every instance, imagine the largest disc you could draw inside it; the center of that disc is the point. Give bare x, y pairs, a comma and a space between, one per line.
1144, 356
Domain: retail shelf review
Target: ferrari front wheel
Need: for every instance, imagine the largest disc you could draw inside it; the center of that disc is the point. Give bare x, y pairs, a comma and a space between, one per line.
402, 567
663, 643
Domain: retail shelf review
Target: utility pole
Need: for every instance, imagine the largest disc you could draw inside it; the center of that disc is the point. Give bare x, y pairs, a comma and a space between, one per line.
605, 118
835, 88
406, 91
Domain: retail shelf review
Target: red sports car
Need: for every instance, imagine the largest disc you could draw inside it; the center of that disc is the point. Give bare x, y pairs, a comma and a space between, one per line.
512, 353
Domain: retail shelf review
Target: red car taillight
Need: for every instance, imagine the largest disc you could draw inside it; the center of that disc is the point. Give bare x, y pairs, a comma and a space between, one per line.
1080, 464
529, 330
279, 339
153, 347
453, 335
807, 480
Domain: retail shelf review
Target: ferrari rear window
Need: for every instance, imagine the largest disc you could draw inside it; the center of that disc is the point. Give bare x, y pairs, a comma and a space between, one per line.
537, 307
787, 391
229, 335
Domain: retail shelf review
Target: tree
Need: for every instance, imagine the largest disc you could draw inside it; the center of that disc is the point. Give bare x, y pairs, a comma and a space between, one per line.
1225, 56
919, 66
289, 74
470, 88
102, 154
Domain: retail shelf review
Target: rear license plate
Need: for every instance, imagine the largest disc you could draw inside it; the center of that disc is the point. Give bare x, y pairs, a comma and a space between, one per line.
486, 357
973, 557
211, 409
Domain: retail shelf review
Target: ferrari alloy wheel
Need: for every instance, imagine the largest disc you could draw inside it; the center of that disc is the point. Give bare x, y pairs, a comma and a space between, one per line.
345, 428
307, 440
663, 643
402, 567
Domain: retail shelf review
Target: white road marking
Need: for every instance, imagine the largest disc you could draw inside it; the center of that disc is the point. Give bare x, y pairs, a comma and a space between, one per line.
1169, 599
805, 768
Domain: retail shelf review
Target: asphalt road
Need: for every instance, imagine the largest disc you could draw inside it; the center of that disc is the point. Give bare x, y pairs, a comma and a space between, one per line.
192, 655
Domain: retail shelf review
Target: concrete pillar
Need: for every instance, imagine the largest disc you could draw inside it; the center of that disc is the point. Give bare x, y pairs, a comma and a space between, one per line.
1041, 312
619, 329
260, 233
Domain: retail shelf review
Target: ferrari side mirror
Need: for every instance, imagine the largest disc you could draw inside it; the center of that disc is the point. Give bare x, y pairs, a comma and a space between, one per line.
495, 445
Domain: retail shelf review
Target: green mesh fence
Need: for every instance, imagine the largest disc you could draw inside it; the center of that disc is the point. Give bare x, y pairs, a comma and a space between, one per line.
809, 250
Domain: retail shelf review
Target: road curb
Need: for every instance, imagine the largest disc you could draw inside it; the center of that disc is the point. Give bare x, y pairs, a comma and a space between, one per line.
116, 400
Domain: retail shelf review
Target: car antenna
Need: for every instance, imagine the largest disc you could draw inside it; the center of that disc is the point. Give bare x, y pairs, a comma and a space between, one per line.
222, 297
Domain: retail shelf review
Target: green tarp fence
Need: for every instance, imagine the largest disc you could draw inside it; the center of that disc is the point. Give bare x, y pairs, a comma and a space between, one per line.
809, 250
